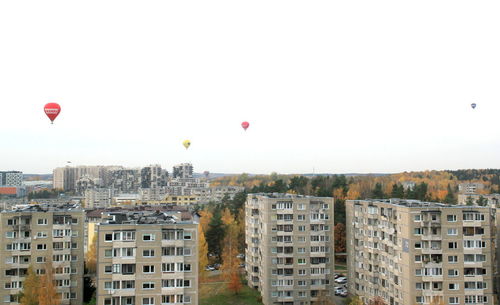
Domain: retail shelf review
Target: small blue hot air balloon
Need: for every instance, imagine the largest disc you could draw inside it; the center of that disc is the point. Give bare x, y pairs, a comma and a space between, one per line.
473, 105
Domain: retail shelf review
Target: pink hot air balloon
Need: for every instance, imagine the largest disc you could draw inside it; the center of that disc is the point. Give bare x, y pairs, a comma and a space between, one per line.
52, 110
245, 125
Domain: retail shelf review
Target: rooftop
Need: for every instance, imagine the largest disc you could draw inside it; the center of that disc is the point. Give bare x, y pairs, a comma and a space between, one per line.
149, 217
413, 203
67, 207
284, 196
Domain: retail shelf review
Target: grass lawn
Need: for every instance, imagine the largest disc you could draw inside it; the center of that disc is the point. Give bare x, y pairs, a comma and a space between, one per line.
216, 293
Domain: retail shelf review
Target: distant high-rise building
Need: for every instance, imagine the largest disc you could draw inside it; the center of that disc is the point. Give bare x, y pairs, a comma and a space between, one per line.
66, 178
290, 247
11, 178
183, 170
124, 180
153, 177
413, 252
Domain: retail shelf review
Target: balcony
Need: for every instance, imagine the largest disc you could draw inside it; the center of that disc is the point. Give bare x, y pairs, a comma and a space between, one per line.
431, 237
432, 251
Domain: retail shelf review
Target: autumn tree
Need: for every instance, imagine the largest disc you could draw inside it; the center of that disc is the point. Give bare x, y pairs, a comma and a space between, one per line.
376, 301
355, 301
323, 299
230, 262
340, 238
202, 254
91, 256
205, 217
47, 292
29, 294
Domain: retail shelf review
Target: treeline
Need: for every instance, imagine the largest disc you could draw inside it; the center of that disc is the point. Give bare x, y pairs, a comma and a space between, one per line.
44, 194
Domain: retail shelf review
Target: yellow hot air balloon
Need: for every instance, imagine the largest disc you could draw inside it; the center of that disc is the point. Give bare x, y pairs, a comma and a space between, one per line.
186, 143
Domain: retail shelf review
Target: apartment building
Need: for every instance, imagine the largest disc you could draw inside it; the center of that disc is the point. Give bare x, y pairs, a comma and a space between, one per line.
290, 247
11, 178
147, 258
412, 252
183, 170
35, 235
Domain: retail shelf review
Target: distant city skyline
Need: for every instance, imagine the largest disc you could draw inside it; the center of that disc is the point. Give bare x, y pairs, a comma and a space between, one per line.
327, 87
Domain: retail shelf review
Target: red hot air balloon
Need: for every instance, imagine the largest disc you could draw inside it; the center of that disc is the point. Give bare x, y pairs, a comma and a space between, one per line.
245, 125
52, 110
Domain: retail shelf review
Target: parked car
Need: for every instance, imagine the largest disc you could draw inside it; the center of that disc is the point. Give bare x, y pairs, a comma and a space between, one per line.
240, 256
209, 268
343, 293
341, 280
340, 290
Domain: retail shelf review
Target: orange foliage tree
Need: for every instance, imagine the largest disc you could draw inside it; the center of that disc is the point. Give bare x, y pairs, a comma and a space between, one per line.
47, 293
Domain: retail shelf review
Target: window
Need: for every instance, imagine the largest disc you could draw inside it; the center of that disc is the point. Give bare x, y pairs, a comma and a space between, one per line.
419, 299
187, 235
418, 286
148, 237
452, 245
302, 228
108, 253
148, 301
452, 272
301, 206
107, 269
40, 259
10, 234
148, 285
451, 218
452, 259
42, 221
41, 234
417, 217
302, 272
418, 258
417, 231
108, 237
301, 261
148, 253
453, 286
41, 247
301, 217
453, 300
148, 269
452, 231
418, 245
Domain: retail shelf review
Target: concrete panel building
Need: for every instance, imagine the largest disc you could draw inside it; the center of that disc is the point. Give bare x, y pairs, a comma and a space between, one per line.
290, 247
147, 258
412, 252
35, 235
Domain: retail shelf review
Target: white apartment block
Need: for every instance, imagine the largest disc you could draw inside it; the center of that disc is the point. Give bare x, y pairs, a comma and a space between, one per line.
290, 247
37, 234
147, 258
412, 252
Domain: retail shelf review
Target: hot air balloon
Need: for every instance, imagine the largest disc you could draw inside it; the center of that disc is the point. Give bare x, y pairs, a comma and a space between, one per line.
206, 174
186, 143
52, 110
473, 105
245, 125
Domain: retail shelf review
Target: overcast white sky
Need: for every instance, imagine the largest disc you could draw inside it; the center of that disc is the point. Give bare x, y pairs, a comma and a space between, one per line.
334, 86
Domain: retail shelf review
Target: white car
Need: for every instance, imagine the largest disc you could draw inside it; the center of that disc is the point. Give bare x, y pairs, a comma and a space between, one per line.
341, 280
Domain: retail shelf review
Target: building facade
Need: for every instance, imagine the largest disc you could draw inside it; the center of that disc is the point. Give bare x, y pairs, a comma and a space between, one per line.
412, 252
147, 258
11, 178
183, 170
290, 247
35, 236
